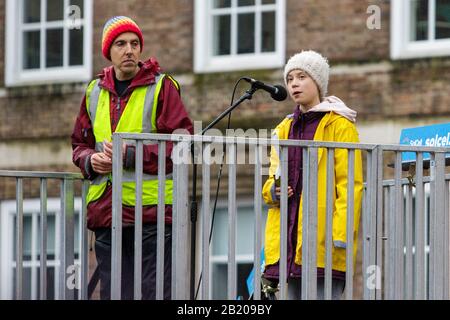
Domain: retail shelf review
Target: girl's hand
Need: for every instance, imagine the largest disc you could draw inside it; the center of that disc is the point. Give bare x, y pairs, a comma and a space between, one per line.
278, 191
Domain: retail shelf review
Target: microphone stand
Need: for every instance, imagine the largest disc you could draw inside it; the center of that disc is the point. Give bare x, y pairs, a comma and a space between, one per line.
194, 208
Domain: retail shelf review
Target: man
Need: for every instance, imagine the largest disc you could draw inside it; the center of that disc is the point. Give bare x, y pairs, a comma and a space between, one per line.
129, 96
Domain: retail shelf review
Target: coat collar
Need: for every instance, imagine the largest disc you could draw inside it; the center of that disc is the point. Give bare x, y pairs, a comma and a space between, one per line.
146, 76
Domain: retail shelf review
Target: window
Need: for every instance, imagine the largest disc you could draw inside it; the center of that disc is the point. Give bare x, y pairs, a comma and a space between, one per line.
239, 34
31, 250
420, 28
245, 224
48, 41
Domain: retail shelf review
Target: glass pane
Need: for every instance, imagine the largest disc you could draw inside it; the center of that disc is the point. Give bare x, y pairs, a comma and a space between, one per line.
268, 1
243, 3
32, 11
222, 35
54, 45
27, 283
76, 47
79, 4
222, 3
220, 277
419, 20
50, 234
246, 33
442, 19
27, 235
268, 32
31, 49
55, 10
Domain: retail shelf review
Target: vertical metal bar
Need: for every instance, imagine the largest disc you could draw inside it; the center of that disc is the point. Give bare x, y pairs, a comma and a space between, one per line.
43, 242
84, 247
175, 210
116, 254
258, 232
312, 226
440, 221
392, 242
350, 224
432, 230
399, 272
306, 272
374, 225
206, 220
138, 222
19, 239
283, 220
370, 237
62, 246
34, 237
387, 241
232, 289
67, 244
446, 227
377, 169
329, 223
365, 214
180, 224
57, 248
420, 277
365, 241
408, 245
161, 220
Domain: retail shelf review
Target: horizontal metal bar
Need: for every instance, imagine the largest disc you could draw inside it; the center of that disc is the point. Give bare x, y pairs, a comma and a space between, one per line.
249, 141
40, 174
262, 141
405, 181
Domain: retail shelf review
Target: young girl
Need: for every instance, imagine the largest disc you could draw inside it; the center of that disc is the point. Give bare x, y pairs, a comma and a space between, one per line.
321, 118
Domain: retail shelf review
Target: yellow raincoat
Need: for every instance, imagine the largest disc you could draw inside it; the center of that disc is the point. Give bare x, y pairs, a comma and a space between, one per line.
335, 128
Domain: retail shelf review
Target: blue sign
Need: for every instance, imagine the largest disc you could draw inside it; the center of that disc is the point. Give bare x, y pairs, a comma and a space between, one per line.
251, 276
431, 136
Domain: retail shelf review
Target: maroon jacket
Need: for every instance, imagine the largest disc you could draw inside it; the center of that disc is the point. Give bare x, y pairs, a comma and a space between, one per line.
170, 115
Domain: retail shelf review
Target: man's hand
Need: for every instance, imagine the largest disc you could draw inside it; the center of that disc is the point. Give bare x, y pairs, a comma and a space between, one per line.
108, 149
278, 191
101, 163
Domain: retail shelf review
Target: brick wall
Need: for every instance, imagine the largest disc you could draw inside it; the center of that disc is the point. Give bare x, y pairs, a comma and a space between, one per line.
38, 112
337, 29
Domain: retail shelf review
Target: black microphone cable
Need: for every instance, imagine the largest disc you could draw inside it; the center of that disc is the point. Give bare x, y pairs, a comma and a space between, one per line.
219, 176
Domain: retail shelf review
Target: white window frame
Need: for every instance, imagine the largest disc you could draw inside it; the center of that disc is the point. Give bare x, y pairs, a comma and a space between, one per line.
401, 46
205, 62
31, 207
246, 258
14, 73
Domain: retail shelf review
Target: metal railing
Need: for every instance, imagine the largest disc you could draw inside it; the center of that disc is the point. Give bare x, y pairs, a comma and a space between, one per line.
393, 258
65, 265
372, 217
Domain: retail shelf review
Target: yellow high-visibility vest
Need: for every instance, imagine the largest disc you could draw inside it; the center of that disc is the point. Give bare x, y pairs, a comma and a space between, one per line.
139, 116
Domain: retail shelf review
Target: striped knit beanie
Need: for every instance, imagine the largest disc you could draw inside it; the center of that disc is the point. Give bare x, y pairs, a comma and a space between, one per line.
116, 26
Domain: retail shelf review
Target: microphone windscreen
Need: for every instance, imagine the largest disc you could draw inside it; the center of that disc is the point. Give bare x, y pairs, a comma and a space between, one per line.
281, 93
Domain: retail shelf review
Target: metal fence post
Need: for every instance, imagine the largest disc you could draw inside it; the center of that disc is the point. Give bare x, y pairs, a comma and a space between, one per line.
116, 243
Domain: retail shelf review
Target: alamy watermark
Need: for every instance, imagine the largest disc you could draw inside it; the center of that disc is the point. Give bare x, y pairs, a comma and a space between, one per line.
373, 22
73, 280
217, 151
373, 281
73, 20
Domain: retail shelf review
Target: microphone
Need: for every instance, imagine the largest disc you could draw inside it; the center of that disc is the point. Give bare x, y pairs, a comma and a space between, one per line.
277, 92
